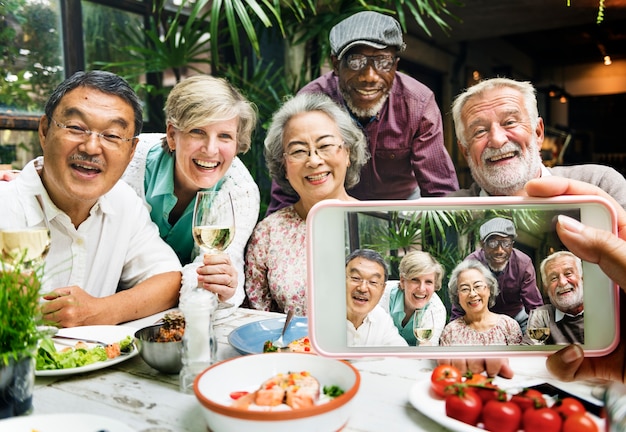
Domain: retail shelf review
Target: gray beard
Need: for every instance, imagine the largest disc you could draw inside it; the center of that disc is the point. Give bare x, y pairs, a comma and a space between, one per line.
362, 113
500, 181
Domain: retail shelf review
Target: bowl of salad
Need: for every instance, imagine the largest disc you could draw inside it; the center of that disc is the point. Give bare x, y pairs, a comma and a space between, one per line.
277, 392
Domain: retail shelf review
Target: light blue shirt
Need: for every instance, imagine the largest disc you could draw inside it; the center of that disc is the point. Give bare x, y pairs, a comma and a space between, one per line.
159, 189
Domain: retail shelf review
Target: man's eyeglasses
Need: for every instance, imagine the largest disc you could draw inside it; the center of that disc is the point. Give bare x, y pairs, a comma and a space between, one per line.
111, 138
301, 153
355, 280
478, 288
492, 244
382, 63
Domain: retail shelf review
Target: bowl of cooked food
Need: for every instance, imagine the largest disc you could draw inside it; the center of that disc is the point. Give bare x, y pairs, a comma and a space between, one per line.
160, 345
277, 392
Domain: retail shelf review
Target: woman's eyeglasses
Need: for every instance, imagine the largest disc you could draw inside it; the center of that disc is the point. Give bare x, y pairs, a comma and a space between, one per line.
301, 153
478, 288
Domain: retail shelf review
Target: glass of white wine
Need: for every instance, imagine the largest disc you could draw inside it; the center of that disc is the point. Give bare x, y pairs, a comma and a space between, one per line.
23, 245
423, 325
538, 327
213, 221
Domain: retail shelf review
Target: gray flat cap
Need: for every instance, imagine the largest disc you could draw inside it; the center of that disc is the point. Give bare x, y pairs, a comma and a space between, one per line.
366, 28
498, 226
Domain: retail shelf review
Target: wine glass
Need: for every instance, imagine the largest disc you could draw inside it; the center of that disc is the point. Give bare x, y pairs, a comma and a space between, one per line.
25, 246
538, 327
213, 221
423, 325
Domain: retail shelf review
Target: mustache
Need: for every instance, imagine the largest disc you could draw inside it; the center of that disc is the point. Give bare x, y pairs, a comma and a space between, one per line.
82, 157
567, 287
489, 152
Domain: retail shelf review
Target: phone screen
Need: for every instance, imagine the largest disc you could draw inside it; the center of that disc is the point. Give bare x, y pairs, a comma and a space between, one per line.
509, 240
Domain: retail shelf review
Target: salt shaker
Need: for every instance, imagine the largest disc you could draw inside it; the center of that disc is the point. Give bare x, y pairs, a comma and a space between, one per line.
199, 341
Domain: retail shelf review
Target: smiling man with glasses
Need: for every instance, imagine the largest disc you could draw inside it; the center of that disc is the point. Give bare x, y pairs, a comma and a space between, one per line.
512, 268
106, 263
398, 114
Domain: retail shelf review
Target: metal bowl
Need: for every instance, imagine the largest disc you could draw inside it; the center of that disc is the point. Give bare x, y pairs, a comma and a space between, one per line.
166, 357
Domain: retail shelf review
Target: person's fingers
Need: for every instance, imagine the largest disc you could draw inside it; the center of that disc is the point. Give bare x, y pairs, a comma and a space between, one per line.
551, 186
554, 186
566, 363
499, 367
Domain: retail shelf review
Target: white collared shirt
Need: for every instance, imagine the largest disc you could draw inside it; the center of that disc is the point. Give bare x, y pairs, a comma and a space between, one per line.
377, 329
116, 247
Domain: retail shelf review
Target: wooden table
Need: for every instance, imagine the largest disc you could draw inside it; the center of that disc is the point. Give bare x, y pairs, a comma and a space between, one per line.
148, 401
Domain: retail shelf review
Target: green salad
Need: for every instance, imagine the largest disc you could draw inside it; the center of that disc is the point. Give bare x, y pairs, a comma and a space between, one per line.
48, 358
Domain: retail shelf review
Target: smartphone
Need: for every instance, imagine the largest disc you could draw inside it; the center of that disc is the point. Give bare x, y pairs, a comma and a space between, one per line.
449, 229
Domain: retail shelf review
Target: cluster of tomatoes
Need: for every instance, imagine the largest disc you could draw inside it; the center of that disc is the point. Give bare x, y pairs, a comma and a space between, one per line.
474, 399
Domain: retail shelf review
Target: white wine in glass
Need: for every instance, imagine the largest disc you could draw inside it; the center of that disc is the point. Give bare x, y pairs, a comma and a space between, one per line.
213, 221
423, 325
538, 327
27, 245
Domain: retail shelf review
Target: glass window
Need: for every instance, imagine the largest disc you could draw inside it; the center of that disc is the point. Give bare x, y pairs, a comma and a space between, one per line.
31, 61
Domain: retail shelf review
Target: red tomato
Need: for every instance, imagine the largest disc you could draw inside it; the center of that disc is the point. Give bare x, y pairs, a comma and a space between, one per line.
502, 416
237, 394
444, 376
464, 405
580, 422
475, 378
529, 398
541, 419
568, 406
486, 392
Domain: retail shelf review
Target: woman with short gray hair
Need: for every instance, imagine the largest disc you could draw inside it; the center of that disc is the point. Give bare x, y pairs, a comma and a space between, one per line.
313, 149
473, 288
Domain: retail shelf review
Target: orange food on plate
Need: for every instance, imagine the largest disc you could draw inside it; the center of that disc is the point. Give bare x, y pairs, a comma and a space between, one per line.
294, 389
302, 345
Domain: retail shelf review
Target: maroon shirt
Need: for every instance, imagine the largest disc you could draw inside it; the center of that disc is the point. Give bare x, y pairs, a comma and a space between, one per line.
406, 143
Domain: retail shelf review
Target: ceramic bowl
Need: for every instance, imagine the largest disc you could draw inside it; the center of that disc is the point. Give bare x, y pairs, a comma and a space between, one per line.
214, 386
165, 357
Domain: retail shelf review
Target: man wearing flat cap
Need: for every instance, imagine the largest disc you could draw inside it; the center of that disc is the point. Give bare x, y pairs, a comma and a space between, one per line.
513, 269
398, 114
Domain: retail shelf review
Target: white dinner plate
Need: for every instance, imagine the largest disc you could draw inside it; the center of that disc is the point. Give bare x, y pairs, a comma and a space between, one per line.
104, 333
434, 407
63, 423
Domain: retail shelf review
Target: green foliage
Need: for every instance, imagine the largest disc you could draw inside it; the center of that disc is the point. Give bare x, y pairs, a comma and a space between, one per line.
266, 85
170, 42
31, 55
19, 309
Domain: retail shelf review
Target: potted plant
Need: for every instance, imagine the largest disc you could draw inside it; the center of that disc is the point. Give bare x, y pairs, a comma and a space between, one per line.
19, 335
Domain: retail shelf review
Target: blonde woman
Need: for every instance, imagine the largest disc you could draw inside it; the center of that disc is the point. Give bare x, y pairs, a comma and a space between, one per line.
209, 122
421, 276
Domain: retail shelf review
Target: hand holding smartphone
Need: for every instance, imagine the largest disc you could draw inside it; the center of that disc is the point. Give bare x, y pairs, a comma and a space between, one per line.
450, 230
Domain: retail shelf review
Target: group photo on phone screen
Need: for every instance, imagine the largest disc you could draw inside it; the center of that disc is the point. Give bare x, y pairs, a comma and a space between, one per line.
461, 277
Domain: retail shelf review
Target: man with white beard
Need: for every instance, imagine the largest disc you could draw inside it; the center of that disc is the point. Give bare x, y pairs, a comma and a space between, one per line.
562, 276
500, 133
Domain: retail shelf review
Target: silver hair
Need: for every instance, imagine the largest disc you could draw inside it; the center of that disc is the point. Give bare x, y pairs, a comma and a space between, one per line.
555, 255
524, 87
351, 134
490, 279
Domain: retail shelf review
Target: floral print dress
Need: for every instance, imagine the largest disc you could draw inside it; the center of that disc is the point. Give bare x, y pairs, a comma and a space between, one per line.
276, 263
505, 332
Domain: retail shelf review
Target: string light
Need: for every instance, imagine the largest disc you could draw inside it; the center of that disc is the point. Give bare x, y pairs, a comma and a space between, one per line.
607, 60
